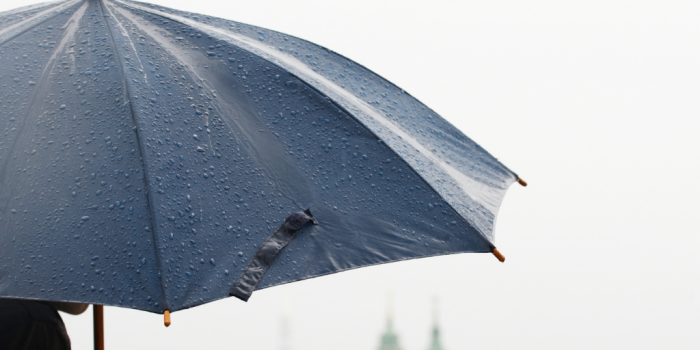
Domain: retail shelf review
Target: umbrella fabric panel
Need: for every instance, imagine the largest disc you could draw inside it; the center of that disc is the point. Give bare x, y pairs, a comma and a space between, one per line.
469, 178
235, 144
74, 219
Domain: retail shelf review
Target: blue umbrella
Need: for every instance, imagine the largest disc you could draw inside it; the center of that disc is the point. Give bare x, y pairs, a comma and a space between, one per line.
158, 160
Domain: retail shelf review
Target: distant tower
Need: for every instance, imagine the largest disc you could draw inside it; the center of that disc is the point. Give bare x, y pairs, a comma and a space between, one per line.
435, 342
389, 340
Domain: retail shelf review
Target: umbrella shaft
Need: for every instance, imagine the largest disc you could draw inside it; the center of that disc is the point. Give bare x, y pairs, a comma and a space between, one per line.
98, 326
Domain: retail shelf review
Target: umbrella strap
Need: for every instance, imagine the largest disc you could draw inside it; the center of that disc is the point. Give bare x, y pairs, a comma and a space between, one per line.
256, 269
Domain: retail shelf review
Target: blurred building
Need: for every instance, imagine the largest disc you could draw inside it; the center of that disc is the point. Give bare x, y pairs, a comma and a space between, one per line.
390, 341
435, 340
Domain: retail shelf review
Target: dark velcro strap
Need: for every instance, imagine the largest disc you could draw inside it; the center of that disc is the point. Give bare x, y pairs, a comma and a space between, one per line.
254, 272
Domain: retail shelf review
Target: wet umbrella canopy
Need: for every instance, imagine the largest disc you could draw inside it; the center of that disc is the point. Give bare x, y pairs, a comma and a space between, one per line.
149, 156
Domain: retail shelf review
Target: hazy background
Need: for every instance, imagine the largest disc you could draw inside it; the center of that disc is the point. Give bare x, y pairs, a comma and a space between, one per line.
596, 104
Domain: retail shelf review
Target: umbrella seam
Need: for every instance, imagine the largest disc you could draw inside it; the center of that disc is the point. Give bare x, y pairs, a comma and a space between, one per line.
143, 159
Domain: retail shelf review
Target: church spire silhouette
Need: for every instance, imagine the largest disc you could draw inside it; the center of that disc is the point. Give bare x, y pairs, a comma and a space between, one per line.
389, 340
435, 341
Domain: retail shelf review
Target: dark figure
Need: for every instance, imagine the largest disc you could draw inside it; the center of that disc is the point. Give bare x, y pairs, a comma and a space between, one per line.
35, 325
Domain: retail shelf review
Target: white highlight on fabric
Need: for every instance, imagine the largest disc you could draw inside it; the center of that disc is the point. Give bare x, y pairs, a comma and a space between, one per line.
30, 22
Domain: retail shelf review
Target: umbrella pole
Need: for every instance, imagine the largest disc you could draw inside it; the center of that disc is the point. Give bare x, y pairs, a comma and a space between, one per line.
98, 326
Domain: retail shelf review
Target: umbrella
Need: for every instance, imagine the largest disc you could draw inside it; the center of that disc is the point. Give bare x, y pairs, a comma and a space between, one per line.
156, 159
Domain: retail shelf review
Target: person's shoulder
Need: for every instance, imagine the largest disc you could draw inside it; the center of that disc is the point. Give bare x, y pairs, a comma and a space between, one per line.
12, 314
21, 309
68, 307
31, 324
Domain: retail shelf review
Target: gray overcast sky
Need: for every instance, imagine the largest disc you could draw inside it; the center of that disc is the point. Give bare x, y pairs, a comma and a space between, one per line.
594, 103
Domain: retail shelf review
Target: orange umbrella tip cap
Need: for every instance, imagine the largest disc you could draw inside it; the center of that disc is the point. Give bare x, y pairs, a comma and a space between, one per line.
498, 255
522, 182
166, 318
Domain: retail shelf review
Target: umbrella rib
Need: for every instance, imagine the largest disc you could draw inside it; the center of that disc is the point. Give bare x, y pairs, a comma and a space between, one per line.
141, 151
